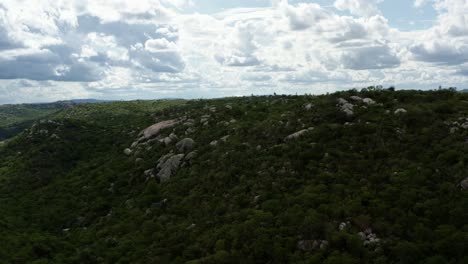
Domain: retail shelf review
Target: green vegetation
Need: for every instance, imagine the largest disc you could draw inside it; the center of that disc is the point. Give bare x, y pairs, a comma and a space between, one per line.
16, 118
372, 187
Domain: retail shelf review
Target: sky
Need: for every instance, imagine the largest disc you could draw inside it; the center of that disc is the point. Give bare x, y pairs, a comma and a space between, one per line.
125, 49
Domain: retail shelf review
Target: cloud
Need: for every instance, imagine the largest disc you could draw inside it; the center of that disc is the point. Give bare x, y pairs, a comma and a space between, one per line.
369, 57
358, 7
302, 16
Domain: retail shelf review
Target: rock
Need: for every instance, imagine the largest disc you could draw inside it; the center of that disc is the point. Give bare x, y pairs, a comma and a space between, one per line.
128, 152
228, 106
356, 98
368, 101
307, 245
168, 166
214, 143
149, 174
345, 106
212, 109
298, 134
464, 184
167, 141
342, 226
464, 125
308, 106
400, 111
225, 138
139, 160
191, 156
185, 145
342, 101
173, 137
134, 144
156, 128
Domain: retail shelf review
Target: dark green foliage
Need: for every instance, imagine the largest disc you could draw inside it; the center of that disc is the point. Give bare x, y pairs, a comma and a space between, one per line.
76, 198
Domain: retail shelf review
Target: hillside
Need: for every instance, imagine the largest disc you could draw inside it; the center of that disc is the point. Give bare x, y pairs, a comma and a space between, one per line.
376, 176
15, 118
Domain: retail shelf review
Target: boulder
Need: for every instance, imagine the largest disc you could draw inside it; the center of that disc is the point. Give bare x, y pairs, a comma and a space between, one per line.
400, 111
345, 106
356, 98
298, 134
168, 166
228, 106
156, 128
368, 101
128, 152
464, 184
185, 145
308, 106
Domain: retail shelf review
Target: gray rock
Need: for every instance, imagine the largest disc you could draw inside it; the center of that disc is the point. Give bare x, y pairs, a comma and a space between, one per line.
156, 128
190, 156
185, 145
368, 101
214, 143
168, 166
308, 106
128, 152
464, 184
400, 111
225, 138
356, 98
228, 106
298, 134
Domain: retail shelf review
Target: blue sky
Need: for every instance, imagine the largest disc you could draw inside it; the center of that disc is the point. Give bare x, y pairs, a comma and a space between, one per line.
125, 49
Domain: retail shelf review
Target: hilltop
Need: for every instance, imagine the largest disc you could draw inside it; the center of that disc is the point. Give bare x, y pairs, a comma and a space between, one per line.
376, 176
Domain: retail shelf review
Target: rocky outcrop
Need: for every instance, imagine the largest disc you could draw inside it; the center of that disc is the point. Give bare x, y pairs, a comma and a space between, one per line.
168, 166
185, 145
298, 134
311, 245
345, 106
154, 130
368, 237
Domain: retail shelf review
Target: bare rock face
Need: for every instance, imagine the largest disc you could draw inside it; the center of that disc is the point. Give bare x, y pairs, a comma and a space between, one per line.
156, 128
168, 166
185, 145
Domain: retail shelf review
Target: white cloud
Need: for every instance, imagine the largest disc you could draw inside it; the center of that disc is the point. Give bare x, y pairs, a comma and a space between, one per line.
112, 48
359, 7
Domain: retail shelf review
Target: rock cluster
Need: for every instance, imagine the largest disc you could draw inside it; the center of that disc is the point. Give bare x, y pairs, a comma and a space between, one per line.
345, 106
368, 237
311, 245
464, 184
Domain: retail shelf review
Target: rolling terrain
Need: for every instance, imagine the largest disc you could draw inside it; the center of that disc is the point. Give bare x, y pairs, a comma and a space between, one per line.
376, 176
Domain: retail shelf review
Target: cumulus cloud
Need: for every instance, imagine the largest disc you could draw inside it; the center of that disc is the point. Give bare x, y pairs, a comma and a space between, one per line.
113, 48
359, 7
369, 57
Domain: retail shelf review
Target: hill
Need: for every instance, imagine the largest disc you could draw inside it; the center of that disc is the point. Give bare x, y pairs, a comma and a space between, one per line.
15, 118
350, 177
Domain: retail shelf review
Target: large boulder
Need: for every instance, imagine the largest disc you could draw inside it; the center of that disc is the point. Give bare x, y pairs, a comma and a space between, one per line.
185, 145
156, 128
298, 134
168, 166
